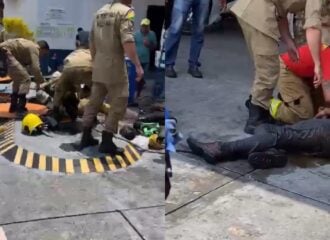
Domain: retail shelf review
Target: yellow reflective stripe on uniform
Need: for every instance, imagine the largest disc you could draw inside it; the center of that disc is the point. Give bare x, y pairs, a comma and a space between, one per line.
274, 106
130, 15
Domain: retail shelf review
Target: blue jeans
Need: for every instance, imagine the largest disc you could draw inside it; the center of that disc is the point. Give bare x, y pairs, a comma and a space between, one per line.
181, 8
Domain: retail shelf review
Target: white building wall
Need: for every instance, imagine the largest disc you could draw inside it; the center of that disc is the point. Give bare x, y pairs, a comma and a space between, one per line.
80, 13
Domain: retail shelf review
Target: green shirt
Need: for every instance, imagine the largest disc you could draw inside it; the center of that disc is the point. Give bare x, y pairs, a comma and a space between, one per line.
142, 50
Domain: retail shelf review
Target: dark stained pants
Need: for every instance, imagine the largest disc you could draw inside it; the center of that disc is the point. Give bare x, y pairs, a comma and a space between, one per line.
310, 136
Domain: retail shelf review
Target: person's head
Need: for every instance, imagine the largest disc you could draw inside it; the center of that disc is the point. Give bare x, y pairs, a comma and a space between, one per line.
83, 40
145, 25
44, 48
80, 29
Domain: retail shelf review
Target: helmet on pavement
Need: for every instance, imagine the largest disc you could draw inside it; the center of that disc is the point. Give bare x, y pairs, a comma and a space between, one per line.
32, 124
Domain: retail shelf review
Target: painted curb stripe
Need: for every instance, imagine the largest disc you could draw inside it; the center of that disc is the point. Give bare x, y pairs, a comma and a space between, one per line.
98, 165
20, 156
56, 165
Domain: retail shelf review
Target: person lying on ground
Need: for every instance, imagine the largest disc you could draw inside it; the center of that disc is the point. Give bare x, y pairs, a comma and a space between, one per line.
268, 147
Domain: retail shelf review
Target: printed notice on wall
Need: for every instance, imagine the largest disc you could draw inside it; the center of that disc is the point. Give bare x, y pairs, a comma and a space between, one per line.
56, 23
46, 30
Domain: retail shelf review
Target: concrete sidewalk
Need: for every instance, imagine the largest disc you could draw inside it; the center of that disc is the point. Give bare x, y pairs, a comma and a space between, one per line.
119, 204
126, 204
231, 200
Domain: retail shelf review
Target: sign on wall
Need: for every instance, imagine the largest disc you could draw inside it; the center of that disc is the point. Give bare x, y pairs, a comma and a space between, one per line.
57, 23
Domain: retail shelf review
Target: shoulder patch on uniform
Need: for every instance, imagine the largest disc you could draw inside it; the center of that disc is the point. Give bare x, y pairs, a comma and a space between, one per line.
130, 15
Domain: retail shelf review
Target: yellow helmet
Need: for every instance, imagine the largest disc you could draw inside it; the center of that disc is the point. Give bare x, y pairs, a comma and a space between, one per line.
31, 122
145, 22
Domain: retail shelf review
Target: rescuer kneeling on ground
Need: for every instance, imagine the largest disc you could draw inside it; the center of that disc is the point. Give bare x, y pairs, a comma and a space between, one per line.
23, 57
111, 38
263, 149
77, 71
296, 86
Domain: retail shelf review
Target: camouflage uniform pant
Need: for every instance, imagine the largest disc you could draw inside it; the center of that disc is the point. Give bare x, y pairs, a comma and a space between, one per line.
70, 81
264, 51
117, 94
20, 77
300, 100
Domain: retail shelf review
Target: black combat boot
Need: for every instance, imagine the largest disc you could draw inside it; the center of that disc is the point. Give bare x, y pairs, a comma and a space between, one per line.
13, 103
21, 107
211, 152
248, 102
170, 72
257, 116
57, 114
270, 159
87, 139
195, 72
108, 146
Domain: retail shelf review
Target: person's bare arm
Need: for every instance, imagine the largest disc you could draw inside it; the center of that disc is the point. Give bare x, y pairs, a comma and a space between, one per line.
49, 83
313, 27
283, 25
324, 112
130, 51
313, 36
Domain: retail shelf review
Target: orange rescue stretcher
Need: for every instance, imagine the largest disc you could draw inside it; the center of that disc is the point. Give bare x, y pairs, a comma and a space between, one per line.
5, 99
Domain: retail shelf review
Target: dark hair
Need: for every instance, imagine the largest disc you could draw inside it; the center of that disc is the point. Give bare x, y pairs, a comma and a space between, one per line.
80, 29
43, 44
83, 39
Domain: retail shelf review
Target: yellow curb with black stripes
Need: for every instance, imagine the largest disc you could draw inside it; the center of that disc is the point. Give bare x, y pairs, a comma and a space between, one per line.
23, 157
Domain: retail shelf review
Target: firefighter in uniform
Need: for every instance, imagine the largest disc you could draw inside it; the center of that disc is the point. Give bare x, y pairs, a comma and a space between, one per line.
300, 99
111, 38
23, 58
77, 71
263, 24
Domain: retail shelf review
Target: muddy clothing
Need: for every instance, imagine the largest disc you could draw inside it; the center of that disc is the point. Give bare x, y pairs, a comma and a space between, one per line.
310, 136
115, 22
77, 71
259, 23
298, 28
25, 60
